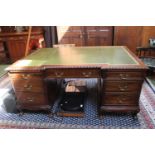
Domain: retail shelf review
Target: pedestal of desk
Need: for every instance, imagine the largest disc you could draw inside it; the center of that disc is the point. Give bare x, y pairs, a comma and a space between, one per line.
32, 92
121, 90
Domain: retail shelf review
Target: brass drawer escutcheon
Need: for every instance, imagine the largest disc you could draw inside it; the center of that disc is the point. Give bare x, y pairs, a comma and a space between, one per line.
124, 76
28, 87
25, 77
123, 87
30, 99
86, 74
59, 74
122, 100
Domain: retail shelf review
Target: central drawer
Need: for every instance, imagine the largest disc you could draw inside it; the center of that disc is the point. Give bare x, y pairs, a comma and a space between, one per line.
73, 73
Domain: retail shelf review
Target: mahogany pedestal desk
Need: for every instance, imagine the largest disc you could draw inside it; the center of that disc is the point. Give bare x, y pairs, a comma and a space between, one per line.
119, 71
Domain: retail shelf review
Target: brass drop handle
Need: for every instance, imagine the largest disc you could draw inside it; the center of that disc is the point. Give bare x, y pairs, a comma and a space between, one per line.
28, 87
25, 77
59, 74
123, 87
124, 76
87, 74
30, 99
121, 100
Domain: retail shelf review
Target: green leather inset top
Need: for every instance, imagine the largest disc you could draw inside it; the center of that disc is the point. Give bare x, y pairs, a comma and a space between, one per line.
78, 56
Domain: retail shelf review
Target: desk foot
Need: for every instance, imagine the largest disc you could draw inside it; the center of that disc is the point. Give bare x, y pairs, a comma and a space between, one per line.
21, 113
134, 115
50, 114
101, 117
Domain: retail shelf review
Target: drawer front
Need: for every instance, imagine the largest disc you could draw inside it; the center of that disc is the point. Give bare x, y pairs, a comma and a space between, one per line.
26, 77
73, 73
28, 86
122, 86
120, 99
31, 98
124, 76
27, 82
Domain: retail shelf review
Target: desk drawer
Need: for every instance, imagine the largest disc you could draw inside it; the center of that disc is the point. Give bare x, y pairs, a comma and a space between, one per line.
28, 86
124, 75
25, 98
26, 77
122, 86
27, 82
120, 99
73, 73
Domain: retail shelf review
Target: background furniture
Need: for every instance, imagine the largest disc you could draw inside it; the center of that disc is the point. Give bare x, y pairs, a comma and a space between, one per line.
85, 35
133, 36
16, 41
147, 55
4, 54
130, 36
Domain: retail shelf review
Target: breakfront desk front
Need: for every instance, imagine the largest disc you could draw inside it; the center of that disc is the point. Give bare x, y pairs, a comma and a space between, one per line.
119, 72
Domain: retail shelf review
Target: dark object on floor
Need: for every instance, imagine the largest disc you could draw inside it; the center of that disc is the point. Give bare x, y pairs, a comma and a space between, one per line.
147, 55
72, 102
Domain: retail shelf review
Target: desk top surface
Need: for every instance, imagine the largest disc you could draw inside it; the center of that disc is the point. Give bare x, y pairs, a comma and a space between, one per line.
78, 56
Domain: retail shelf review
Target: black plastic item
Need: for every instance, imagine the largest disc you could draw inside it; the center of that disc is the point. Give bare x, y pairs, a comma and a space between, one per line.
152, 42
72, 102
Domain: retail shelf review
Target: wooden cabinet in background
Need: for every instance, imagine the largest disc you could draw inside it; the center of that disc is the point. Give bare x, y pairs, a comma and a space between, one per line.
133, 36
85, 35
16, 48
16, 43
148, 33
99, 35
129, 36
70, 35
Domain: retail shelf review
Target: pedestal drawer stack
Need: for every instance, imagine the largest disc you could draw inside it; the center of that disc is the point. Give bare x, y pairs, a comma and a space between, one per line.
121, 91
30, 91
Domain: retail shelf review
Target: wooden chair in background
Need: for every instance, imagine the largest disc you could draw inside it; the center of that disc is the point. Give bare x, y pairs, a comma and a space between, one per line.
147, 55
4, 54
